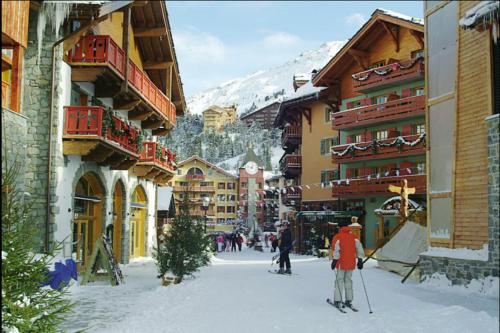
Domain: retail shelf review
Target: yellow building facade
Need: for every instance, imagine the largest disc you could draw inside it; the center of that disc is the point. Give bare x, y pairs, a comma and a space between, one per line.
216, 117
197, 179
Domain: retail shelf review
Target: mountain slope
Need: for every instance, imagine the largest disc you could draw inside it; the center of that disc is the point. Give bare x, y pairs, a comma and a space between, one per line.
263, 87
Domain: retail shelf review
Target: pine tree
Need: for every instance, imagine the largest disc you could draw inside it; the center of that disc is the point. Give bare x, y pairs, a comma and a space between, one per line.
26, 306
186, 248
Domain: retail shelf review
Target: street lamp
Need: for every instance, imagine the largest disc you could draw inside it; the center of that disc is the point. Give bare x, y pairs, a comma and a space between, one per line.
205, 204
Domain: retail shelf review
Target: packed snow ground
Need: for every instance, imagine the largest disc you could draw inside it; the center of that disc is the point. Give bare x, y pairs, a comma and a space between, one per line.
236, 293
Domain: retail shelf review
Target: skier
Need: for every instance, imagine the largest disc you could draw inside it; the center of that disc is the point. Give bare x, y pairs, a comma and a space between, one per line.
233, 242
274, 243
239, 240
285, 245
346, 247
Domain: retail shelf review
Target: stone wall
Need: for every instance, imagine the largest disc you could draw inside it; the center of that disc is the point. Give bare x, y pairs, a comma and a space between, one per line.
14, 143
460, 271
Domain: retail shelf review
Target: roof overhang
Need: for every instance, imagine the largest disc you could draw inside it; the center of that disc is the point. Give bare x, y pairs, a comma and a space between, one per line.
373, 28
295, 103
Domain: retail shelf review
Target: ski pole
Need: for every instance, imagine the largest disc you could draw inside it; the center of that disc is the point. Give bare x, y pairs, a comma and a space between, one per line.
366, 294
338, 287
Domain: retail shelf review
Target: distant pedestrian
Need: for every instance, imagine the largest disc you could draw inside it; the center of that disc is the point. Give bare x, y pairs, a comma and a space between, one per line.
285, 246
274, 243
233, 242
266, 239
220, 243
239, 240
228, 243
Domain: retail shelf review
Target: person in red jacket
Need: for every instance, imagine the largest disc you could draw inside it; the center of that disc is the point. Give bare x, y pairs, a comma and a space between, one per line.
346, 248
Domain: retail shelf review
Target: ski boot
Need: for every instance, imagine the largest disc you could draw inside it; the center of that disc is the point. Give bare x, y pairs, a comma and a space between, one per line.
348, 304
281, 271
337, 304
288, 271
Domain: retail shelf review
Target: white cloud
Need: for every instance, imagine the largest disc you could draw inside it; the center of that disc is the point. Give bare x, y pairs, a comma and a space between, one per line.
356, 19
198, 46
281, 39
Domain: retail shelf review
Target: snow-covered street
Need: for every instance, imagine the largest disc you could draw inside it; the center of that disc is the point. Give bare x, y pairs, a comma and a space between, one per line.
237, 293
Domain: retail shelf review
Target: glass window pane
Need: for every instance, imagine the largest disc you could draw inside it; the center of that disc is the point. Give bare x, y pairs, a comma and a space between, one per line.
440, 217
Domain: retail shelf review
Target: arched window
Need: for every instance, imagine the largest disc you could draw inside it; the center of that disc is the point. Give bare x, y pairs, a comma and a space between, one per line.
195, 171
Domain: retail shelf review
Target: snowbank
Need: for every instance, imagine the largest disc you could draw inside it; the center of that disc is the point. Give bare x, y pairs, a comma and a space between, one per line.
489, 286
461, 253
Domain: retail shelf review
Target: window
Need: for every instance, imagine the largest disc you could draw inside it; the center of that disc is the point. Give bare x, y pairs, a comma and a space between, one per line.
417, 54
181, 196
379, 99
231, 197
184, 184
328, 114
421, 167
327, 144
355, 138
378, 64
419, 91
179, 171
221, 209
418, 129
328, 175
203, 183
195, 171
381, 135
231, 186
243, 185
221, 197
230, 209
221, 186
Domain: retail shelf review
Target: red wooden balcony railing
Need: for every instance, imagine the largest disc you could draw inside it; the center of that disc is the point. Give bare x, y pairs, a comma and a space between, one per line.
89, 120
164, 158
380, 152
104, 50
374, 186
396, 72
291, 165
368, 115
290, 195
291, 135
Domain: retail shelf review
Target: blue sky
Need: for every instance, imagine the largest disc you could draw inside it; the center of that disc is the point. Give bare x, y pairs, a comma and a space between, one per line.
217, 41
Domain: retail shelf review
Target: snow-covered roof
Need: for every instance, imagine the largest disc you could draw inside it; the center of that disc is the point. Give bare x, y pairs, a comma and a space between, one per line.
305, 90
483, 12
212, 166
302, 76
402, 16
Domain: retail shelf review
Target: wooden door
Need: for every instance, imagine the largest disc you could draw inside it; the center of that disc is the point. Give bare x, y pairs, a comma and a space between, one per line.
117, 223
83, 243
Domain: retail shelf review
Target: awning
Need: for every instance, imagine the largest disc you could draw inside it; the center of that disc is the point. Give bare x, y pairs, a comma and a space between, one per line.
137, 205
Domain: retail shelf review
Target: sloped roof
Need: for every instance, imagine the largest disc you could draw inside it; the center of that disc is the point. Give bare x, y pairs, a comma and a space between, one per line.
259, 110
207, 163
342, 59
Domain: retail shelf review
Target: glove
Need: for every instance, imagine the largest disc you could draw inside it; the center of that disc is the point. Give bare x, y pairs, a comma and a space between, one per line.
360, 263
334, 263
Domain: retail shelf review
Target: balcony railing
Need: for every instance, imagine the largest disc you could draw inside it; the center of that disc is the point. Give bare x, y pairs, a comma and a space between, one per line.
81, 122
377, 78
5, 94
102, 50
155, 153
194, 189
375, 187
291, 136
195, 177
377, 149
292, 197
372, 114
291, 165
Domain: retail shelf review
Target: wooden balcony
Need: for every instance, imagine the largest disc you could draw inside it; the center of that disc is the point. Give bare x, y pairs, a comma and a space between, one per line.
391, 74
402, 108
291, 165
353, 155
292, 198
155, 163
291, 137
5, 94
87, 134
195, 177
194, 189
377, 187
99, 59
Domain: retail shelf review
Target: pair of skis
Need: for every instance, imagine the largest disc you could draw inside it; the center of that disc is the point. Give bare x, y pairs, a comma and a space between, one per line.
343, 306
276, 272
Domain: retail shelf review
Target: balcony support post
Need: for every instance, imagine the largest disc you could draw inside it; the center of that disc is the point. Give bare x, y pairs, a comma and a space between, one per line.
393, 34
126, 26
418, 37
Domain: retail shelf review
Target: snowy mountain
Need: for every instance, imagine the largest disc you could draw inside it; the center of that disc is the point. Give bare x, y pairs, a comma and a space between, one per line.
263, 87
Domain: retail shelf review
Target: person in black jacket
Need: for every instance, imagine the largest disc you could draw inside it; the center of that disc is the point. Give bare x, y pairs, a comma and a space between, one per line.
285, 246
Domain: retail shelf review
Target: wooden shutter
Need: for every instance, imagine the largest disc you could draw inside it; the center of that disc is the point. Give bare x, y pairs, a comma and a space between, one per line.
368, 136
348, 139
392, 132
407, 130
348, 172
406, 93
405, 165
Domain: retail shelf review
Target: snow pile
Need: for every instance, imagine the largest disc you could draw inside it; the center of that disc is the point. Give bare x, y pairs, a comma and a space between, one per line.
484, 11
460, 253
402, 16
489, 286
264, 87
405, 246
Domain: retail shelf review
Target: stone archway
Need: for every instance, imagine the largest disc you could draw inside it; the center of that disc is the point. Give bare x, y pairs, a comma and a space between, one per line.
138, 210
88, 204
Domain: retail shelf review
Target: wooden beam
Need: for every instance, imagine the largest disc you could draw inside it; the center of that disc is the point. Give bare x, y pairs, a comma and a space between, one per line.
152, 124
127, 106
362, 62
126, 26
158, 65
307, 113
16, 79
139, 3
150, 32
418, 37
160, 131
169, 83
139, 115
359, 53
394, 35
